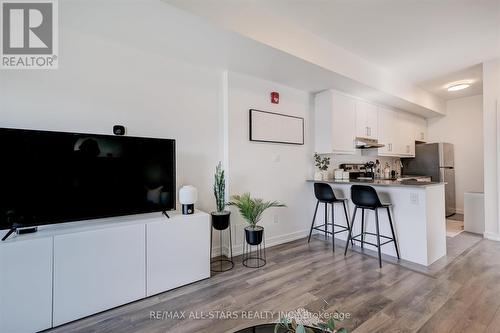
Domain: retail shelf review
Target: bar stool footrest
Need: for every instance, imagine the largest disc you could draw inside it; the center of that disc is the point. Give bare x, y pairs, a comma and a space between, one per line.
354, 238
321, 228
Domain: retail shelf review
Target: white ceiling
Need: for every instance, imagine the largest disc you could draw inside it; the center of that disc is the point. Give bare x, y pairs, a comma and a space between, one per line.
438, 86
419, 40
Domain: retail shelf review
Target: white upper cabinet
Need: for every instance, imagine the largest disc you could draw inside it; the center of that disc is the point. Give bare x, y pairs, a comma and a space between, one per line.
366, 120
387, 134
398, 131
340, 118
420, 129
335, 123
405, 134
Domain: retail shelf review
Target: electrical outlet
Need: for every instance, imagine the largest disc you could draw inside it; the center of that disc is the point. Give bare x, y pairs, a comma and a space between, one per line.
276, 220
414, 198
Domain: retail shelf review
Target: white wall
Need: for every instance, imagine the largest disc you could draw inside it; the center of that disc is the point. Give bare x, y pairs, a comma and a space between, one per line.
463, 127
268, 170
101, 82
491, 101
106, 77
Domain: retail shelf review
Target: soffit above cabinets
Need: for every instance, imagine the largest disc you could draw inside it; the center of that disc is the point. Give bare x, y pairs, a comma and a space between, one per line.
304, 61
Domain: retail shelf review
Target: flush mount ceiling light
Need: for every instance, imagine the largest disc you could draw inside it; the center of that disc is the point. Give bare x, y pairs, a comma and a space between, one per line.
458, 85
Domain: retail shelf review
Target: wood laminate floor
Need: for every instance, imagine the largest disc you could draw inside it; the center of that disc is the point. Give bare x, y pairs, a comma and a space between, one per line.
464, 296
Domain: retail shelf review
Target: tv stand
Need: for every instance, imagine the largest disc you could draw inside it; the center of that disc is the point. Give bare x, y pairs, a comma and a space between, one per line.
165, 213
87, 267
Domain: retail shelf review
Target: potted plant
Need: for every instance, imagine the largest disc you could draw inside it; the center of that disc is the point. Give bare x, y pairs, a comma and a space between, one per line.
220, 218
291, 326
322, 164
251, 209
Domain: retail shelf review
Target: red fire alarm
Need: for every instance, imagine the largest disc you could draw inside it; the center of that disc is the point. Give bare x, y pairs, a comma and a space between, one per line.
275, 97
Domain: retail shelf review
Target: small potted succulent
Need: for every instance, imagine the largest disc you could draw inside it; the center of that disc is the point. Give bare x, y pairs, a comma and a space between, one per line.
251, 209
220, 218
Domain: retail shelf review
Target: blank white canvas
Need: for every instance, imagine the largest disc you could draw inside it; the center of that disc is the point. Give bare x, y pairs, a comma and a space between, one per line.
276, 127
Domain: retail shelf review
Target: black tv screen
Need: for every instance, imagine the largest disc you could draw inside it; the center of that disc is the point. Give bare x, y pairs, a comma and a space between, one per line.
53, 177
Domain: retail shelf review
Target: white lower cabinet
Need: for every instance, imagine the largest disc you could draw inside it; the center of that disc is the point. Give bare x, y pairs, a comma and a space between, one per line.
181, 259
66, 272
26, 285
98, 270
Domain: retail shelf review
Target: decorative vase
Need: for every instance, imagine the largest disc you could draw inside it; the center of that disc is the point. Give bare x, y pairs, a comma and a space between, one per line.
220, 220
253, 236
318, 175
325, 174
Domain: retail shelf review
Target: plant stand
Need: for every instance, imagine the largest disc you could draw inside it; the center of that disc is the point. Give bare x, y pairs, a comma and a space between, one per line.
219, 263
254, 256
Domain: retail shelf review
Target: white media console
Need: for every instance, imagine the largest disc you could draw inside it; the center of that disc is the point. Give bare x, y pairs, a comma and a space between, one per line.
68, 271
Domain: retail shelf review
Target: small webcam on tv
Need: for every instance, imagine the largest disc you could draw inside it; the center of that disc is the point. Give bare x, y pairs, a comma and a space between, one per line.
119, 130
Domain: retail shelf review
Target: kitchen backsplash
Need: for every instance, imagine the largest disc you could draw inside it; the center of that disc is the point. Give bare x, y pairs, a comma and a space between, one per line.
337, 159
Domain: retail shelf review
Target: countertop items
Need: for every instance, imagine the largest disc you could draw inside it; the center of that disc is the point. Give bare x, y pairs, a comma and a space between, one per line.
381, 182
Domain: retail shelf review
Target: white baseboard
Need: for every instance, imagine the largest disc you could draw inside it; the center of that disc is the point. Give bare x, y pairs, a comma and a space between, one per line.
271, 241
492, 236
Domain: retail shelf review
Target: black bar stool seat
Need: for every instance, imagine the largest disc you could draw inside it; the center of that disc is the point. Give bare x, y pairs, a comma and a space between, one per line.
325, 195
366, 197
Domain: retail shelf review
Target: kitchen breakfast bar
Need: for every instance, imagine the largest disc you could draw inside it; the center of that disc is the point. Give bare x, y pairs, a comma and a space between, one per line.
418, 211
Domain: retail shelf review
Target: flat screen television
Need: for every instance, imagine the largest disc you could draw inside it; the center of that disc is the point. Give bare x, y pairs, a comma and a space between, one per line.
53, 177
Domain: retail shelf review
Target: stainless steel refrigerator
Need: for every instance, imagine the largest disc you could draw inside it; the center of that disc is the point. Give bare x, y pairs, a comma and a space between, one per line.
436, 161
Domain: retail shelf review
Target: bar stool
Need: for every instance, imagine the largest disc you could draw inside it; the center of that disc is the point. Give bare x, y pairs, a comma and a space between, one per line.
324, 194
366, 197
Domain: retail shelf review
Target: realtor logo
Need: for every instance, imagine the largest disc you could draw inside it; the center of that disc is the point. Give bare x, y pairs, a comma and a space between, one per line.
29, 34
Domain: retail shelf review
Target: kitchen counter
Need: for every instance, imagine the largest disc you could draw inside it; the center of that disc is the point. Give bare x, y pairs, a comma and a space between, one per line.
379, 182
418, 210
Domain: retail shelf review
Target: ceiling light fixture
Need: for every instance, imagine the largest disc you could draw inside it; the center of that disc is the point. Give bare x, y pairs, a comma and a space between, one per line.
458, 86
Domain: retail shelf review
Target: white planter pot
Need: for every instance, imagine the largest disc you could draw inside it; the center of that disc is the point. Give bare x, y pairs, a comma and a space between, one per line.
318, 175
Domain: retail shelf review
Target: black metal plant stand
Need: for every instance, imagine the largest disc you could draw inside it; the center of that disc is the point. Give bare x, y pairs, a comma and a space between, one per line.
219, 262
254, 256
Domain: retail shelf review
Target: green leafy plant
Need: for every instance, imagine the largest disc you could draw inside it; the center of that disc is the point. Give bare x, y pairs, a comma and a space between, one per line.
292, 327
251, 209
321, 163
220, 188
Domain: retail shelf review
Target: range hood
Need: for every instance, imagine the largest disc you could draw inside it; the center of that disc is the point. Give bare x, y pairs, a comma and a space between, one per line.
366, 143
